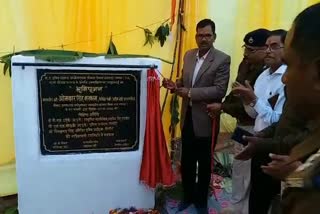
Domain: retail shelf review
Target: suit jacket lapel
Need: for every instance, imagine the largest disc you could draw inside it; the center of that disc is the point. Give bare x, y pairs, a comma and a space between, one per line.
192, 65
206, 64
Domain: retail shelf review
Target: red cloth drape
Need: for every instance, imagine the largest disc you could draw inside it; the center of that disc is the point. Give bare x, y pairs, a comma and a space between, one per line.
156, 165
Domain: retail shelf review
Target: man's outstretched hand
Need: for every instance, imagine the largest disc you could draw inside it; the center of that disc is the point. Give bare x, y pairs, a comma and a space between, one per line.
245, 92
169, 84
281, 166
214, 109
249, 151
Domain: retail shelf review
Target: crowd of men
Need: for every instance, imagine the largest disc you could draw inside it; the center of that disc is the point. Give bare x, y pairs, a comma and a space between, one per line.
276, 101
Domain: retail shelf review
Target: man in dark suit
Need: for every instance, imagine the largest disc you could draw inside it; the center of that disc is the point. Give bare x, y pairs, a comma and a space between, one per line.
204, 80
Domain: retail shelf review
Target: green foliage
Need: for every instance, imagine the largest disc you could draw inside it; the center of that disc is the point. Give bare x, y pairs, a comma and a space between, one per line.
6, 60
54, 55
162, 33
149, 38
45, 55
11, 210
112, 48
65, 56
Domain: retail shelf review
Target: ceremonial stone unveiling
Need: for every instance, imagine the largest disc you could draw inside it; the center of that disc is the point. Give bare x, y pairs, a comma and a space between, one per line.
79, 133
83, 111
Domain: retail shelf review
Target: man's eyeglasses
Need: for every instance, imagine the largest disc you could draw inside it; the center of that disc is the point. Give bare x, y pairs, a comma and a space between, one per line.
274, 47
271, 47
204, 36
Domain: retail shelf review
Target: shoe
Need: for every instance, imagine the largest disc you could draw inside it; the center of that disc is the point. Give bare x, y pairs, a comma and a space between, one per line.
202, 210
183, 205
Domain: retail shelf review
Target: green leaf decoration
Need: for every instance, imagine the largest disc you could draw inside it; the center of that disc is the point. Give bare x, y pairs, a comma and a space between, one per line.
45, 55
57, 58
11, 210
112, 48
6, 60
149, 38
161, 34
80, 54
64, 56
56, 55
174, 110
167, 29
6, 67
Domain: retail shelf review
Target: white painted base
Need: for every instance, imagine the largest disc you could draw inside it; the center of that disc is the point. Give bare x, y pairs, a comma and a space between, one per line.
72, 184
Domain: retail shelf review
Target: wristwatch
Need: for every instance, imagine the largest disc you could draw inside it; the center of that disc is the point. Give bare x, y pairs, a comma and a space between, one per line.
189, 93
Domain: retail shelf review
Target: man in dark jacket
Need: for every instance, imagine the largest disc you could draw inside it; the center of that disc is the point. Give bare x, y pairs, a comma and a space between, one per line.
249, 69
300, 170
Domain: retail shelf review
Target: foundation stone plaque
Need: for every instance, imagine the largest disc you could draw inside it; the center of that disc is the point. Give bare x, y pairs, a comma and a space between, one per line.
88, 111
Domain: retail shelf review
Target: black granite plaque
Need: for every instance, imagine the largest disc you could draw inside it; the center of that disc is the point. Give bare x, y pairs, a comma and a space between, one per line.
88, 111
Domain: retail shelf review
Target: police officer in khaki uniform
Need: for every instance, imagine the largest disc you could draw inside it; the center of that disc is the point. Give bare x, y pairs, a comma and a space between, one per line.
249, 69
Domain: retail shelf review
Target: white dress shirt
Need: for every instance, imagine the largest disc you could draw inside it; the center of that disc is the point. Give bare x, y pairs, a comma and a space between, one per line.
199, 63
266, 86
